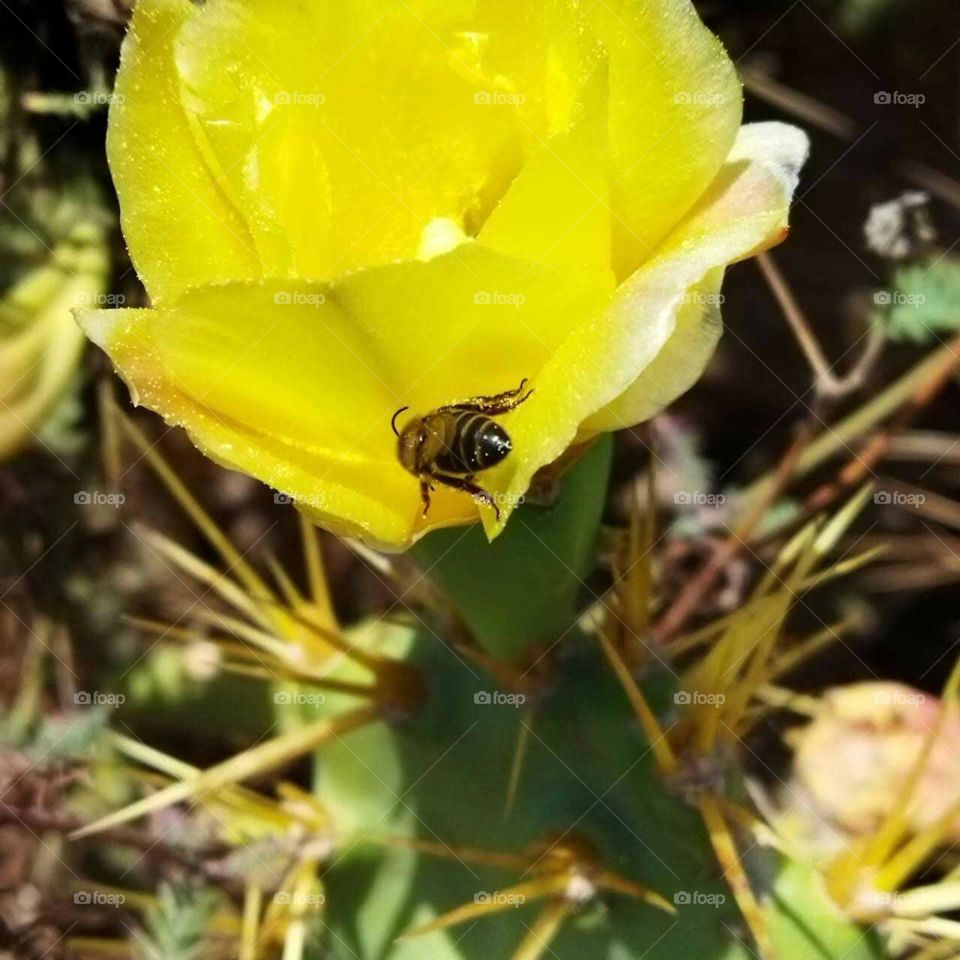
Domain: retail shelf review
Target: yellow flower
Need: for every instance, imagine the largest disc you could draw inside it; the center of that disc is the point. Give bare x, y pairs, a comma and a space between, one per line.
346, 206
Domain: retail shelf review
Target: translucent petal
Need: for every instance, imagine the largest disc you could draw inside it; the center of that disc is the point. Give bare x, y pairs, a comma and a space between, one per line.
744, 211
677, 367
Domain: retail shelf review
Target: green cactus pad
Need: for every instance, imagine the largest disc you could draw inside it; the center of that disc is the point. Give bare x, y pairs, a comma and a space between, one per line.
443, 777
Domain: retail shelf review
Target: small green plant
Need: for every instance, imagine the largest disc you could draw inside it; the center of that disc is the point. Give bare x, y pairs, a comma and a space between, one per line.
176, 926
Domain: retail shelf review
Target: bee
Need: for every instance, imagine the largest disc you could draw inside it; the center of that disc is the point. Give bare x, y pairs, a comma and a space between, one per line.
453, 443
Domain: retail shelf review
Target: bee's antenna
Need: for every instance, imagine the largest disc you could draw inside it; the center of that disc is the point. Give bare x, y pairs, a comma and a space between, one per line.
393, 420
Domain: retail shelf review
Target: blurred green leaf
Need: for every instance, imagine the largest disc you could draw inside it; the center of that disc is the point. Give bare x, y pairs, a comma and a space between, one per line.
804, 922
924, 301
72, 736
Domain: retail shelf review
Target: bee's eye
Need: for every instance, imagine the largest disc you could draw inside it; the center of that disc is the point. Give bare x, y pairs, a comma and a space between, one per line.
421, 435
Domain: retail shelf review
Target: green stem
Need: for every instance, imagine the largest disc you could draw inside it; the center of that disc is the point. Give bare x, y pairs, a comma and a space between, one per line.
523, 589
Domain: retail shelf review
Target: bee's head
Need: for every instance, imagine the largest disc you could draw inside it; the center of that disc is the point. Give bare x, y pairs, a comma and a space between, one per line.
410, 443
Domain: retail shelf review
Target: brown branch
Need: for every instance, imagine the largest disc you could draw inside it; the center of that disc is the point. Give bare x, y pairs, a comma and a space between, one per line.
199, 862
876, 446
691, 596
826, 383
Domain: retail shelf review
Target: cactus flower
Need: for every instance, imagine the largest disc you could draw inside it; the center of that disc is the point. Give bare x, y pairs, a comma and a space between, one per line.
853, 761
342, 208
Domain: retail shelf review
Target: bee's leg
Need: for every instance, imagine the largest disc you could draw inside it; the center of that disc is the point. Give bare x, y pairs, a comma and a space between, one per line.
426, 486
467, 485
496, 403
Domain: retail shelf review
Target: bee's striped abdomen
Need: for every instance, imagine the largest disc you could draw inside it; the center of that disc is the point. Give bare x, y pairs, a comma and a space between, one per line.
475, 442
455, 442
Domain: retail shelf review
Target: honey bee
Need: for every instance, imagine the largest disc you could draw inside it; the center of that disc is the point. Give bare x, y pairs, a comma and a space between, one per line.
453, 443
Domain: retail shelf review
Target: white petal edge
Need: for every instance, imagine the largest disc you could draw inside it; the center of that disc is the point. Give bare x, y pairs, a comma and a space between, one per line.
778, 152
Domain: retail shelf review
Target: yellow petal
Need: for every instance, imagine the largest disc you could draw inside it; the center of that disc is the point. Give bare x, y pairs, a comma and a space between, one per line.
296, 383
275, 382
470, 322
539, 55
180, 227
595, 363
342, 129
744, 211
674, 99
675, 108
292, 139
558, 208
677, 366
